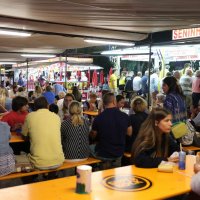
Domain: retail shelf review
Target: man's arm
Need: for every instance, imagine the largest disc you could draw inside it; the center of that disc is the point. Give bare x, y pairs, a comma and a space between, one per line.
93, 134
129, 131
25, 128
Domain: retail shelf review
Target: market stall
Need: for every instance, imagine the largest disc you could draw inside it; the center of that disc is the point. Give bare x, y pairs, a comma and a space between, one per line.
68, 71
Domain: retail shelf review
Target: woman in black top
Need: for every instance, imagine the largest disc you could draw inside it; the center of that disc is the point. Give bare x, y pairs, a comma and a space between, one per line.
139, 106
154, 143
75, 134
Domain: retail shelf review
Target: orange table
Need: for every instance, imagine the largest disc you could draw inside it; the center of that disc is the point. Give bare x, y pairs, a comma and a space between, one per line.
189, 171
91, 113
191, 148
161, 185
15, 137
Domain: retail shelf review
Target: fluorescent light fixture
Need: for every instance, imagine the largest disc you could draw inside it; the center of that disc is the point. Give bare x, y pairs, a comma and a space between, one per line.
195, 25
7, 63
109, 42
14, 33
127, 51
38, 55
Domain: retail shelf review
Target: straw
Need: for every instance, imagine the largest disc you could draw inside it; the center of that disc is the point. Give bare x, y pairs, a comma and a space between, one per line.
181, 147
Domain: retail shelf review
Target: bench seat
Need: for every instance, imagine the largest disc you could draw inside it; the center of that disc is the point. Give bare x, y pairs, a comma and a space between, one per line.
66, 165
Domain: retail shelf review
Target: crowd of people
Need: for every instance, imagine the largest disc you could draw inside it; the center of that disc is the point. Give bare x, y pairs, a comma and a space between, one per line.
57, 130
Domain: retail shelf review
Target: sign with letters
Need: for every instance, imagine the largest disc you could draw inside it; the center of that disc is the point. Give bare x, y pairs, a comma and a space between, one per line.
185, 33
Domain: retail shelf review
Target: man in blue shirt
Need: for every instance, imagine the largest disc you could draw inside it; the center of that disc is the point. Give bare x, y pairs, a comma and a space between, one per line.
58, 88
49, 95
110, 129
144, 84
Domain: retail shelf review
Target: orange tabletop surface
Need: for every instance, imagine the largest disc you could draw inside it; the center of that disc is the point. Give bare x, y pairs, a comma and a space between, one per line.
189, 170
91, 113
191, 148
16, 137
159, 185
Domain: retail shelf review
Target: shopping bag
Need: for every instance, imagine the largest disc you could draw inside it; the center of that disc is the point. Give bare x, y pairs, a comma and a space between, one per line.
196, 141
179, 129
187, 139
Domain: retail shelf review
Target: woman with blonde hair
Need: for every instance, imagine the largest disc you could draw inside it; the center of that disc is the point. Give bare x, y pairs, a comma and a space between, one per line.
75, 134
136, 106
2, 96
154, 143
5, 101
139, 106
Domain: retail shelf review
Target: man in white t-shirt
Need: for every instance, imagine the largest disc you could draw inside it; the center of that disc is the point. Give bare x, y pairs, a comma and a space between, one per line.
137, 83
154, 81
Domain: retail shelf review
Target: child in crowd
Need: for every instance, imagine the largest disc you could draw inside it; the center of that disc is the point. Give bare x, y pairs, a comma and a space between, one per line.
16, 117
92, 104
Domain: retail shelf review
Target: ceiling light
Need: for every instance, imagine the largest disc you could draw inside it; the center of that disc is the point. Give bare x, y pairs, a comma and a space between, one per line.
14, 33
141, 51
38, 55
7, 63
109, 42
195, 25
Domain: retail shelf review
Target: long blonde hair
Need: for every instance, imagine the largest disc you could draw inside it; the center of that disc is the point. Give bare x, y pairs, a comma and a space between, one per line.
75, 111
150, 135
3, 95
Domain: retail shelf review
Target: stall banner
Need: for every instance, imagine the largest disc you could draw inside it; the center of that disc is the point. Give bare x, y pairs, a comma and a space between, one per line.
185, 33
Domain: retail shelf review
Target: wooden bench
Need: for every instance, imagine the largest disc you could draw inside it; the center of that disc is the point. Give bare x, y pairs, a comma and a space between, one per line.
66, 165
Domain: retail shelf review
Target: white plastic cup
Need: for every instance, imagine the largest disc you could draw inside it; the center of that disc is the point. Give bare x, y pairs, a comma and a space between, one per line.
83, 179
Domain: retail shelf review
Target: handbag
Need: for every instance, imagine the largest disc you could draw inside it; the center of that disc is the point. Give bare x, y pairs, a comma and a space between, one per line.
23, 164
179, 129
196, 139
189, 137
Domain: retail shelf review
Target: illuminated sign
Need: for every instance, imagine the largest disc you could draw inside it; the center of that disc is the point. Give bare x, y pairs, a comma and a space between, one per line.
185, 33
